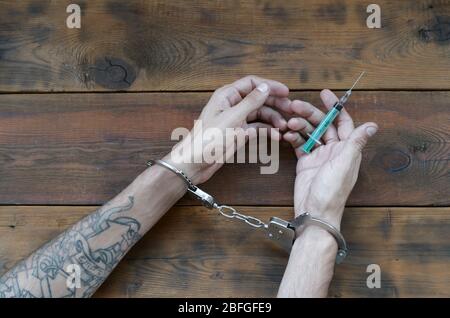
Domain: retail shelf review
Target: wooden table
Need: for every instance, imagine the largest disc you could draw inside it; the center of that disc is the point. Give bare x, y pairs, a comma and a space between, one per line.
81, 110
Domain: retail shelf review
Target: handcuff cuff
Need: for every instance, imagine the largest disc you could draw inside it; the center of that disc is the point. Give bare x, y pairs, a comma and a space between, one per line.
278, 230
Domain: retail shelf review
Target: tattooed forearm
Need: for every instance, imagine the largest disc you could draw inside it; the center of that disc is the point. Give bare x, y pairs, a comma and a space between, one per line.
96, 244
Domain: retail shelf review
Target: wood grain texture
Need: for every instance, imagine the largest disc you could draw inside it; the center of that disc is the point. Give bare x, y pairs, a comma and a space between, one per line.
85, 148
184, 45
195, 253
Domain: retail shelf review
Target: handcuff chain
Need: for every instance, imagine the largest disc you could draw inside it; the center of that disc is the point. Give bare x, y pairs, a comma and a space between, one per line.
208, 200
231, 213
278, 229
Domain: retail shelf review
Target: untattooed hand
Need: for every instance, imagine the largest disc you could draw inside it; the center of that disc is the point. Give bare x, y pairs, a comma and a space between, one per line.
244, 106
326, 176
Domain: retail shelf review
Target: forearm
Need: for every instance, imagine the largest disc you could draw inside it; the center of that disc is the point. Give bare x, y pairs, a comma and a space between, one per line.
311, 263
97, 242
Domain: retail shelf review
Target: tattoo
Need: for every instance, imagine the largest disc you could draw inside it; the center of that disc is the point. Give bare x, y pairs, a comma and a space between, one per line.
96, 244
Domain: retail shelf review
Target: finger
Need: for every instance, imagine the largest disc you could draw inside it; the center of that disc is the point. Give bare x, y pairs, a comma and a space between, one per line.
251, 102
344, 121
269, 116
281, 103
314, 116
307, 111
225, 97
296, 140
272, 132
247, 84
231, 94
300, 124
359, 137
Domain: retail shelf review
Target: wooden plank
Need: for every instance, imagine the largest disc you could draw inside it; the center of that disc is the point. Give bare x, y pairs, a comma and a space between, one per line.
85, 148
180, 45
193, 252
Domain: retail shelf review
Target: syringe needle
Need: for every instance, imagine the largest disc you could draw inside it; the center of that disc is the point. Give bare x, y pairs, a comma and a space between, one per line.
356, 82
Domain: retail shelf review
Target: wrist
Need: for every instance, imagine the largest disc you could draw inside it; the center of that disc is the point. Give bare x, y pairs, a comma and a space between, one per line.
190, 169
332, 217
160, 177
329, 214
315, 236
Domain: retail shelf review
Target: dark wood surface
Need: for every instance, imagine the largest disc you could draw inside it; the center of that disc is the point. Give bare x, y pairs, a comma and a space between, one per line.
82, 110
180, 45
193, 252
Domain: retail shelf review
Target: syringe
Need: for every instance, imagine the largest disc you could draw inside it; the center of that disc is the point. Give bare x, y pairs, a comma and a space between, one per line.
317, 134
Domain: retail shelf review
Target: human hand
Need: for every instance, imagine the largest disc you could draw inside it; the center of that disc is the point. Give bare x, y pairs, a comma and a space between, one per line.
326, 176
240, 108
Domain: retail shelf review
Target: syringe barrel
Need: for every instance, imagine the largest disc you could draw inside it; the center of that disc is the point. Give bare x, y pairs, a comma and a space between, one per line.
320, 130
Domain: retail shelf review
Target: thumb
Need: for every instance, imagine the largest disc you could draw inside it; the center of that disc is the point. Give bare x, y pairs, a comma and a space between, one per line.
254, 100
359, 137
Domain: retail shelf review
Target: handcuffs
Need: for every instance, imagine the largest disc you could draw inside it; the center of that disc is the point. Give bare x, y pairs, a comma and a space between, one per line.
278, 230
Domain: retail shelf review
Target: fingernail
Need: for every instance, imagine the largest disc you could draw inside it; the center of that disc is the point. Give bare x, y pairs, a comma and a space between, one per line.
371, 130
263, 88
